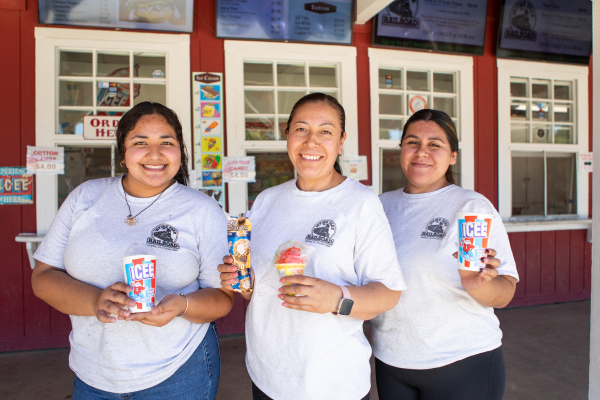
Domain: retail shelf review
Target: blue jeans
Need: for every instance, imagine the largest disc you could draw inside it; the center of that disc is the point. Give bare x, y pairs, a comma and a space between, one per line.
196, 379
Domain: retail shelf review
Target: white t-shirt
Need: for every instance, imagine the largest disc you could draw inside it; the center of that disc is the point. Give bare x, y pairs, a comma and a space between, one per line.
299, 355
89, 237
436, 322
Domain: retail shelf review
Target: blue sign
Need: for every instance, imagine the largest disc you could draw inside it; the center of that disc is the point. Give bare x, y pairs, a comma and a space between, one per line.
289, 20
16, 186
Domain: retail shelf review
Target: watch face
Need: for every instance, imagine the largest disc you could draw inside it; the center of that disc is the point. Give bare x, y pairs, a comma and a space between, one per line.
346, 307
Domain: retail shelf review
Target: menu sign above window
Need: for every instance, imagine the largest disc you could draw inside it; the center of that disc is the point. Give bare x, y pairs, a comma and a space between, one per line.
435, 25
288, 20
154, 15
550, 30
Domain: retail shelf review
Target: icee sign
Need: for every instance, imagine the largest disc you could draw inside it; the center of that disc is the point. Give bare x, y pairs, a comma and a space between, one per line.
142, 271
474, 229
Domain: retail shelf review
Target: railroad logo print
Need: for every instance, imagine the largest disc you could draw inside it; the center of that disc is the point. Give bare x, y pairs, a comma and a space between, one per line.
436, 229
322, 233
164, 236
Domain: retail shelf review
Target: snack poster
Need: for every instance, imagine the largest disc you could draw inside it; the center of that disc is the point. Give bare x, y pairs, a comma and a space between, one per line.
207, 102
16, 186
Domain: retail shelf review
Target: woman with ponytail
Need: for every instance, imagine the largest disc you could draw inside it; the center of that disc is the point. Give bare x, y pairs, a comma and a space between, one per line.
171, 352
442, 340
306, 340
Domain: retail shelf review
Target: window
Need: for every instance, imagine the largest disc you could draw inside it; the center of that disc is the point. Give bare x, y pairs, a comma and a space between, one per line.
405, 82
99, 73
264, 82
543, 125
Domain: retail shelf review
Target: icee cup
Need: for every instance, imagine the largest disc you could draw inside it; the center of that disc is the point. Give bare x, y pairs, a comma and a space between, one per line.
140, 274
291, 258
473, 235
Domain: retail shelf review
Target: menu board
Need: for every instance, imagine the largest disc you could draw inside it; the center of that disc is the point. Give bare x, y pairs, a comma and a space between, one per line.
438, 25
549, 30
288, 20
208, 134
153, 15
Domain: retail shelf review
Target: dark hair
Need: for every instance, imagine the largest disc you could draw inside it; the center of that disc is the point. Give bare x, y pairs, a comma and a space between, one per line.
131, 118
321, 98
444, 122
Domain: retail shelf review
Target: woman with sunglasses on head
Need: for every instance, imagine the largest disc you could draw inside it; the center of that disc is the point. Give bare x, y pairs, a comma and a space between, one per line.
442, 340
306, 341
172, 351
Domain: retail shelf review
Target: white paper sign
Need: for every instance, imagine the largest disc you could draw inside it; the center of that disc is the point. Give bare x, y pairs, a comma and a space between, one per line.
239, 169
45, 160
103, 127
586, 162
355, 167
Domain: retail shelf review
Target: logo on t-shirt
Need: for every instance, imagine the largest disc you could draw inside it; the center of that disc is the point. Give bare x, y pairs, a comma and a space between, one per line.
164, 236
322, 233
436, 229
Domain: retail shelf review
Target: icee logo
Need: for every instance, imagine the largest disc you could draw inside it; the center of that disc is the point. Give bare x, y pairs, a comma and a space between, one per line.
142, 271
474, 229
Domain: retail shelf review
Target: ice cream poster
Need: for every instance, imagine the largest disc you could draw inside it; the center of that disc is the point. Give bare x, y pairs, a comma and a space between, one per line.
210, 127
210, 92
216, 194
210, 110
214, 178
211, 161
211, 144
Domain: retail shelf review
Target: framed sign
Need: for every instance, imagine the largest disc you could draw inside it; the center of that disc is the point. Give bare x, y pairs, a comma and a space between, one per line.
152, 15
286, 20
434, 25
546, 30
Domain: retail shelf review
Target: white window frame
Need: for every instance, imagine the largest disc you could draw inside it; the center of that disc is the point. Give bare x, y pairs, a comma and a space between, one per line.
463, 65
538, 70
236, 52
48, 41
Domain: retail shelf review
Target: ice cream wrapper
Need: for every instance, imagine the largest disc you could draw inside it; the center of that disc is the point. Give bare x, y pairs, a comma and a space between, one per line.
238, 238
140, 274
473, 237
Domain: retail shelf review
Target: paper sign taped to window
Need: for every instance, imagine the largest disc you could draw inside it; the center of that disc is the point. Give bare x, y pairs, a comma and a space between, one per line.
354, 167
239, 169
45, 160
586, 162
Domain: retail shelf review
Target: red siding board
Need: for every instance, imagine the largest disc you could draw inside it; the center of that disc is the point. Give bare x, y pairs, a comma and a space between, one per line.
60, 323
362, 41
237, 313
37, 312
548, 262
587, 271
518, 245
563, 244
532, 284
577, 264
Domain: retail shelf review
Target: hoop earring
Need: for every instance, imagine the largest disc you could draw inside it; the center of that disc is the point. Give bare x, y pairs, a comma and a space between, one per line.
122, 164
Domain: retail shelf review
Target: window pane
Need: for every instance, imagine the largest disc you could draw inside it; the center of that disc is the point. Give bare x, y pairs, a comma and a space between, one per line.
541, 134
282, 126
259, 129
70, 122
518, 110
527, 183
390, 129
445, 104
563, 134
540, 88
539, 111
75, 93
518, 87
443, 83
417, 80
272, 169
323, 76
115, 94
150, 65
390, 104
76, 64
561, 183
392, 177
390, 79
258, 74
562, 90
562, 112
417, 102
259, 102
113, 64
290, 75
286, 100
153, 93
83, 164
519, 133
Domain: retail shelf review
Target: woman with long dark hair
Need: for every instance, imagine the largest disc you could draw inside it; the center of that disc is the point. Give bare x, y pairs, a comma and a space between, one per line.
171, 351
442, 340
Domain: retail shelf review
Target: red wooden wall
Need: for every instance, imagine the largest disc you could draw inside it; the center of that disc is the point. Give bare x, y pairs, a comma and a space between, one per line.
554, 266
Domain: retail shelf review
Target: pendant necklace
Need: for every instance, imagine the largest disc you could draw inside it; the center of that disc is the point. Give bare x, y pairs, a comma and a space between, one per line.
132, 220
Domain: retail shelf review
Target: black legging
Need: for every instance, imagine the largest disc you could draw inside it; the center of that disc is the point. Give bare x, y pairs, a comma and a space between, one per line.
258, 394
479, 377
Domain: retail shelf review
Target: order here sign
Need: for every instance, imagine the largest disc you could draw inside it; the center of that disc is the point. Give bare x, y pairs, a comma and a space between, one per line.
100, 127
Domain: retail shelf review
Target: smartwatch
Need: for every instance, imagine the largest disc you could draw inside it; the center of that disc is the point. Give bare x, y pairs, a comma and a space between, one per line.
346, 303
